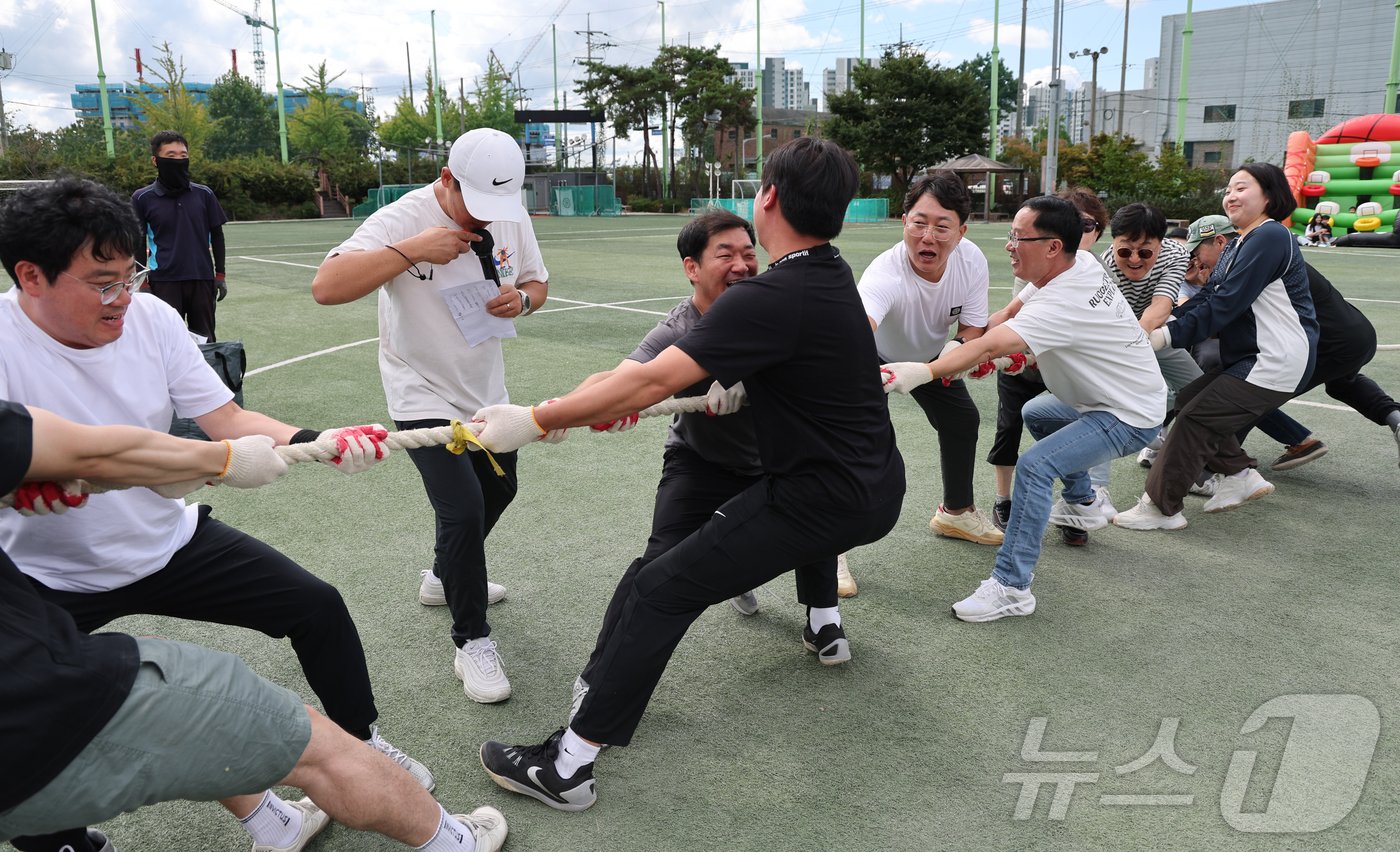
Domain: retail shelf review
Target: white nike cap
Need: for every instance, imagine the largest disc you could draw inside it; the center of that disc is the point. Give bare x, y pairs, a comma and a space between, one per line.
491, 171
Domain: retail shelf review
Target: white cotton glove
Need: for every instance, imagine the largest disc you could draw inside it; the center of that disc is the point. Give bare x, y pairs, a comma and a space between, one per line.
359, 447
506, 428
621, 424
253, 462
554, 436
948, 349
720, 401
49, 498
904, 376
1160, 338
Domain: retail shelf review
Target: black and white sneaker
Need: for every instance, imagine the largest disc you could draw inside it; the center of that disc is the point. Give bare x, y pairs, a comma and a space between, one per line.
829, 644
529, 770
1001, 513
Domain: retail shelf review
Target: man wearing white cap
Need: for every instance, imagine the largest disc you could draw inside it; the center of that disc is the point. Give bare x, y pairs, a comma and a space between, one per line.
465, 226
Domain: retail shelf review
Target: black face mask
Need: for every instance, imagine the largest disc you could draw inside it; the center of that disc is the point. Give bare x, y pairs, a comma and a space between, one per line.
173, 174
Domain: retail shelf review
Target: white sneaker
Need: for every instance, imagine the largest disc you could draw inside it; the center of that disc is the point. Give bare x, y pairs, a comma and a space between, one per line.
992, 600
845, 583
1207, 488
1238, 489
746, 604
488, 827
1146, 516
1078, 516
1147, 457
313, 822
419, 772
483, 674
1101, 493
580, 691
430, 591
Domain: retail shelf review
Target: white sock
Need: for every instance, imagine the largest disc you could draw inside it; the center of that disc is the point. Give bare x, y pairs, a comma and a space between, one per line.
574, 754
451, 836
820, 616
273, 822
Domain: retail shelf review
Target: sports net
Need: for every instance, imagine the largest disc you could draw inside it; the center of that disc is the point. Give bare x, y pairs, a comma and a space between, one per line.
10, 187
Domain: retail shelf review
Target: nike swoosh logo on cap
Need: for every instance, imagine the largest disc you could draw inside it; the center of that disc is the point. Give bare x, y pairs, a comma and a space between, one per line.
495, 182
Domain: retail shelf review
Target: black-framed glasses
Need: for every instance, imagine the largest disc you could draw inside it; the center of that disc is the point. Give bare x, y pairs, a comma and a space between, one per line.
1142, 253
941, 233
1015, 240
111, 292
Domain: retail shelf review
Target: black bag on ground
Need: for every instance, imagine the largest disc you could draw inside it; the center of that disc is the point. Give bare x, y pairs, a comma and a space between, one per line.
228, 360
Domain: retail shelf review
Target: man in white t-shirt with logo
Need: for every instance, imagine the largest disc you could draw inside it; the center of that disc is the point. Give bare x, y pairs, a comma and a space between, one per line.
1094, 358
418, 253
913, 295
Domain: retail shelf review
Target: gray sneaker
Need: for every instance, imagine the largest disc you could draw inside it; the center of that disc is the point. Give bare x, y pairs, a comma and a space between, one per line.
430, 592
419, 772
746, 604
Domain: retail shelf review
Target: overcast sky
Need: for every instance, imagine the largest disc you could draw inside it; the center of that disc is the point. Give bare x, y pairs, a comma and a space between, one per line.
54, 47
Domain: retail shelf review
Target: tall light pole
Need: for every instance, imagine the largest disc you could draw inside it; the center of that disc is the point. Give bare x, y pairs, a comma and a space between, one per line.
665, 130
994, 71
758, 81
1049, 179
7, 63
281, 103
102, 89
1021, 72
1393, 81
1123, 75
437, 81
1185, 77
1093, 88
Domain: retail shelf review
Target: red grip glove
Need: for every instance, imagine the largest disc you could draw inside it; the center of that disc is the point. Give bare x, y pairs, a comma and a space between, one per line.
621, 424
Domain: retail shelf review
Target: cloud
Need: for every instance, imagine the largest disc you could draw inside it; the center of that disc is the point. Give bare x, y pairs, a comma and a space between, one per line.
980, 31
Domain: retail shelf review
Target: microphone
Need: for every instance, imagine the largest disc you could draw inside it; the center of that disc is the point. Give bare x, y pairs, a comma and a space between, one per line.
484, 250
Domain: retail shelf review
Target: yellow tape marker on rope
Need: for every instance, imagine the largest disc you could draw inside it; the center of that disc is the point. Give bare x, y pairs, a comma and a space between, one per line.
462, 436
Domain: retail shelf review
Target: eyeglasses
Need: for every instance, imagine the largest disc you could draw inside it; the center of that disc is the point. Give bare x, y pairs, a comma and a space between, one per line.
109, 293
1014, 240
1090, 225
941, 233
1142, 253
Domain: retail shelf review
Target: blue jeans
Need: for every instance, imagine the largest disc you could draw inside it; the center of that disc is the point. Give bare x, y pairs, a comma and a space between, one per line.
1067, 444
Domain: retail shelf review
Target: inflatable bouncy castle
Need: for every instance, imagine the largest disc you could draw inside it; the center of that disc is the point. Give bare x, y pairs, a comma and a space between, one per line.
1350, 174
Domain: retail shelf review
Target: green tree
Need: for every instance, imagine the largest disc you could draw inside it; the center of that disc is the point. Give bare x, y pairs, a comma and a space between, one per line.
245, 119
170, 106
325, 132
906, 115
701, 100
629, 97
979, 67
493, 102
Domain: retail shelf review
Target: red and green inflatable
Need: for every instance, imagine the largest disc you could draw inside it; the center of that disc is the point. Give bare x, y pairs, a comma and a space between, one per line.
1351, 174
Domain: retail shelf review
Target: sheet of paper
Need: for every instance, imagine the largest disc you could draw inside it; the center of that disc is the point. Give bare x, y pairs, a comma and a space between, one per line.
467, 304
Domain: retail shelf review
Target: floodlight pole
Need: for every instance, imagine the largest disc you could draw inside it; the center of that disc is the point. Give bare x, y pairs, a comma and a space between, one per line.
437, 82
995, 71
7, 63
1049, 180
758, 83
1021, 93
1123, 75
862, 32
558, 145
281, 102
1185, 76
102, 89
665, 129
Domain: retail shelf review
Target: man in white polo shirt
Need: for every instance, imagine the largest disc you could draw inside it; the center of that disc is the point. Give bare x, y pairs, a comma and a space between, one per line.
465, 226
913, 295
1094, 358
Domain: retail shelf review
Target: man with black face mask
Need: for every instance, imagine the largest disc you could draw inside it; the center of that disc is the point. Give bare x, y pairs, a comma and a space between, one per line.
183, 223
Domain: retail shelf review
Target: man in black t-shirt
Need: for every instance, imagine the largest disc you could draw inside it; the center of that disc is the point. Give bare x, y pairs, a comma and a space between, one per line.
798, 338
94, 725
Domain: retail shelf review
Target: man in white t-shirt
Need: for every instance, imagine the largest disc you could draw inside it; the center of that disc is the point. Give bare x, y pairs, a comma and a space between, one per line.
1094, 358
77, 340
418, 252
913, 295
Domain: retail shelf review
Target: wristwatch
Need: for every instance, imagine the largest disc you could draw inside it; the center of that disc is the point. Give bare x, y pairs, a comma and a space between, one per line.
524, 302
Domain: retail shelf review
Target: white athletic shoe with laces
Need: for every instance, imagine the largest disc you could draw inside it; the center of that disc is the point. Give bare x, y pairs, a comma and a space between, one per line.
430, 591
845, 583
1234, 491
483, 675
1079, 516
488, 828
992, 601
1106, 506
313, 822
1146, 516
419, 772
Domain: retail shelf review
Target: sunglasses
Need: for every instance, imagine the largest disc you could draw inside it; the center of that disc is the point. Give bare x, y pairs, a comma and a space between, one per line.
1090, 225
1142, 253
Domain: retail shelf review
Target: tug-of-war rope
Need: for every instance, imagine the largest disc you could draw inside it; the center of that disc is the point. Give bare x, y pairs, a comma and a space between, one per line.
458, 438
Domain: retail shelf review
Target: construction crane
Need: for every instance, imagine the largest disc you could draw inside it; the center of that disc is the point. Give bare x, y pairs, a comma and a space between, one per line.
254, 20
534, 42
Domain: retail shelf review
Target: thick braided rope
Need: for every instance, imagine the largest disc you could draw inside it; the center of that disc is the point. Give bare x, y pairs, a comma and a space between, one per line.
455, 437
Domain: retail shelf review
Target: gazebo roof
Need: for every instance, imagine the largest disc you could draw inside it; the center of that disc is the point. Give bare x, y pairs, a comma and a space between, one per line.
975, 163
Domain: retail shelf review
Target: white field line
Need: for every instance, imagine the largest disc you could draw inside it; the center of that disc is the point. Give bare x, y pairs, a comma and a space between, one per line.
309, 356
